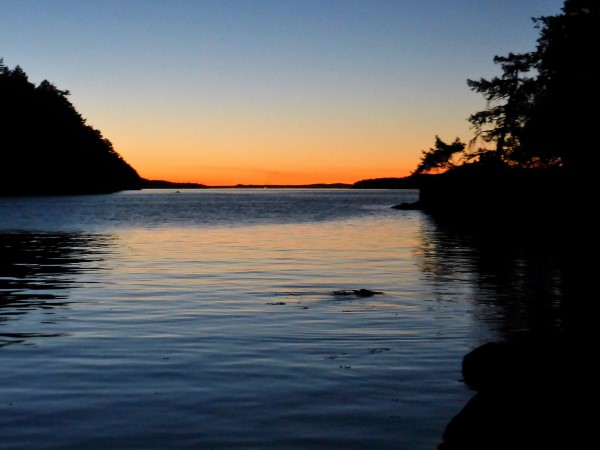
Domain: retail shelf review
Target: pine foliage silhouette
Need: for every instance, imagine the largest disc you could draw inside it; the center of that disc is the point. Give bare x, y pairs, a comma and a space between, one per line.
46, 147
541, 109
439, 157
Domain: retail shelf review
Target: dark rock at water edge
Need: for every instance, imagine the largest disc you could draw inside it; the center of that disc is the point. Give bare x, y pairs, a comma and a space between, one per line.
528, 395
476, 191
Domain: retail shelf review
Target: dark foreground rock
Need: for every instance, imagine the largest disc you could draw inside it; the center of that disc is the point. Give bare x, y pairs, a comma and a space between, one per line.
529, 395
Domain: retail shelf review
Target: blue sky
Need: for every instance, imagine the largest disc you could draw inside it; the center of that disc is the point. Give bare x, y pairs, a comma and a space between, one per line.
221, 92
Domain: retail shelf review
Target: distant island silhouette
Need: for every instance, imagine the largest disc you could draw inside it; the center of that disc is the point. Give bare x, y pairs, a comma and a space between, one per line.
160, 184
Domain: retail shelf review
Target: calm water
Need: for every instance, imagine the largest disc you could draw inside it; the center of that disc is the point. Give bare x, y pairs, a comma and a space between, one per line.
206, 319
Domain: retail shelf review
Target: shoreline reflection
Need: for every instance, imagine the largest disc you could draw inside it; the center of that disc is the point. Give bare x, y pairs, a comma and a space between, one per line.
528, 283
518, 275
37, 270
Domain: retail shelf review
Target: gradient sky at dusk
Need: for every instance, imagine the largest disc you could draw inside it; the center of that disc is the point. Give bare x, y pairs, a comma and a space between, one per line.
222, 92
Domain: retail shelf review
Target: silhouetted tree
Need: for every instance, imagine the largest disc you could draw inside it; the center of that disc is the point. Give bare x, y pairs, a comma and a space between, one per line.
46, 146
508, 99
540, 110
562, 122
439, 157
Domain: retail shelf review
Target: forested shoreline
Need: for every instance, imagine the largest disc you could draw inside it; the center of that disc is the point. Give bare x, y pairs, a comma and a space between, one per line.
47, 147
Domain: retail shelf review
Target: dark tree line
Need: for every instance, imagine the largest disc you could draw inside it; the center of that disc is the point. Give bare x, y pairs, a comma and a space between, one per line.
46, 147
542, 110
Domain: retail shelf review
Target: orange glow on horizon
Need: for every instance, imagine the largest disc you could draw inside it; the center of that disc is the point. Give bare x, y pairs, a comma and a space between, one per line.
233, 176
296, 172
337, 142
267, 161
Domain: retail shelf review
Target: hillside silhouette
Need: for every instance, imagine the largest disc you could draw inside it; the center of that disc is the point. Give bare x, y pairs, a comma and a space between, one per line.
48, 149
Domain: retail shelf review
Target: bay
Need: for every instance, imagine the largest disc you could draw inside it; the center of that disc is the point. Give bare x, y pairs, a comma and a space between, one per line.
159, 319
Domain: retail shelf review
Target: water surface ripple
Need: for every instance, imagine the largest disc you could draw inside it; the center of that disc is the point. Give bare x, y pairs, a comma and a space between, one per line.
206, 319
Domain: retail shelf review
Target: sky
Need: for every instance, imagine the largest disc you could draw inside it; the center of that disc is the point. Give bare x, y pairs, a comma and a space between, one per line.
225, 92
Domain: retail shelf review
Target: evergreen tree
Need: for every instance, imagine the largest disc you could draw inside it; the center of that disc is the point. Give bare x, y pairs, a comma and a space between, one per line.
508, 102
541, 110
439, 157
563, 118
46, 146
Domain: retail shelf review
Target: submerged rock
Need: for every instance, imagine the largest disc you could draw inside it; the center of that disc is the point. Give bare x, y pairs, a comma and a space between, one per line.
357, 292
